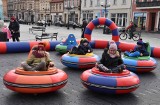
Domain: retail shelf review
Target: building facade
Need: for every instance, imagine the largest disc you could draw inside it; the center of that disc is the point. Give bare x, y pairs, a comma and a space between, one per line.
36, 10
24, 10
147, 14
44, 10
57, 8
91, 9
4, 2
10, 9
120, 11
1, 10
21, 9
72, 11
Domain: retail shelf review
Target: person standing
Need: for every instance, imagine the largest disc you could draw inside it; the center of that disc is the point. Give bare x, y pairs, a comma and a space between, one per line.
14, 28
84, 24
5, 29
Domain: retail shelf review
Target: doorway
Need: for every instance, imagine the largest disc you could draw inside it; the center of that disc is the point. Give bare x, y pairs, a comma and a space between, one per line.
153, 16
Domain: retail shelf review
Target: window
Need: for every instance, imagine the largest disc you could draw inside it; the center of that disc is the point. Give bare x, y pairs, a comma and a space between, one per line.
30, 6
77, 3
98, 3
60, 7
56, 7
73, 3
120, 19
84, 3
91, 3
124, 2
114, 2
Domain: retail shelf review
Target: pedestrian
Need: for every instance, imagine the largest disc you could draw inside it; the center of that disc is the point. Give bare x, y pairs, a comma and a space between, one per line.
6, 29
84, 24
14, 28
111, 61
38, 59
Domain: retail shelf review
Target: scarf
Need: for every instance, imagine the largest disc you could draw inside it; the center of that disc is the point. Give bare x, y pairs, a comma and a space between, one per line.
39, 52
112, 55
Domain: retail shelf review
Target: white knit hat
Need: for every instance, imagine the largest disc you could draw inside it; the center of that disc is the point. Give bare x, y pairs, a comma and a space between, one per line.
113, 46
111, 42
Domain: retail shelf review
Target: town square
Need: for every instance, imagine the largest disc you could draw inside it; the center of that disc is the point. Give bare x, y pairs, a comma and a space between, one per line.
82, 55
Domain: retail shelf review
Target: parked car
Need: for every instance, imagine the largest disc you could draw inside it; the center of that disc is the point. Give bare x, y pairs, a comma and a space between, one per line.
59, 23
6, 19
71, 23
21, 21
42, 22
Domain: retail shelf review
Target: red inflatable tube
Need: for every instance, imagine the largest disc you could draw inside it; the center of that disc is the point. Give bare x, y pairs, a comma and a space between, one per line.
156, 52
35, 82
91, 26
101, 44
113, 26
35, 43
3, 48
126, 46
102, 20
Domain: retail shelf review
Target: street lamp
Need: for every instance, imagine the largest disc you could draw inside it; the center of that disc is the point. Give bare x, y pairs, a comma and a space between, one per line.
105, 5
45, 16
68, 8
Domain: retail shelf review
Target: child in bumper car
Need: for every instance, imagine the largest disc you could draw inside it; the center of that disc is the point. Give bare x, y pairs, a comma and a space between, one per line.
39, 59
111, 61
140, 50
83, 48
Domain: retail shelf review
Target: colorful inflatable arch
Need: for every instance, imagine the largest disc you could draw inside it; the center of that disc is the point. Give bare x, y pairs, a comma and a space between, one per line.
102, 21
115, 36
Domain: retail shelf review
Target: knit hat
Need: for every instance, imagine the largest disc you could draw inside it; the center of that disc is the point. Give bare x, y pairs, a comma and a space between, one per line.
5, 25
111, 42
84, 40
113, 46
140, 42
43, 43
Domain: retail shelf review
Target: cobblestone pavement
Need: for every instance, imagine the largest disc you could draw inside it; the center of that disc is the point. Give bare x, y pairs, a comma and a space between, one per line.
74, 93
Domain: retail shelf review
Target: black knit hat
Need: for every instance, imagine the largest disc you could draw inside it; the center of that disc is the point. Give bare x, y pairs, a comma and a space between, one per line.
140, 42
84, 40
